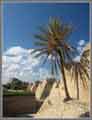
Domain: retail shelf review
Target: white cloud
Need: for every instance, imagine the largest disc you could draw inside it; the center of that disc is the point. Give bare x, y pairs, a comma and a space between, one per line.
79, 48
13, 67
14, 51
81, 42
77, 58
18, 62
51, 57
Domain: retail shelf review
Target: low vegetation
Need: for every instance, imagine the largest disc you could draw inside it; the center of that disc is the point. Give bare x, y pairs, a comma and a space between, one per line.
16, 93
16, 88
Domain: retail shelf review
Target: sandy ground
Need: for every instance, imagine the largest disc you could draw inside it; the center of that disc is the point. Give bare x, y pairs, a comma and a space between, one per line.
71, 109
54, 106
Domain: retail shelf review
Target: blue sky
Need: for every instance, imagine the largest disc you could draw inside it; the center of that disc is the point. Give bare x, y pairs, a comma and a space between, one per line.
21, 22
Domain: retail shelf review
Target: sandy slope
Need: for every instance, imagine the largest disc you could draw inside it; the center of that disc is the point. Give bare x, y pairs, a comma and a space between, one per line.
54, 106
71, 109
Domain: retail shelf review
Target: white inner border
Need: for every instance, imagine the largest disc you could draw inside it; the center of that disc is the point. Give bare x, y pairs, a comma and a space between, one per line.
50, 1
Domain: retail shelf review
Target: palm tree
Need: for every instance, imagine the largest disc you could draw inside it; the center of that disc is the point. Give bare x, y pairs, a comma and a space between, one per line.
79, 71
53, 42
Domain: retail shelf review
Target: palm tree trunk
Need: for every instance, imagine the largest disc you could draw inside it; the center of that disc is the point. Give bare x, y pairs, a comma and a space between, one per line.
67, 96
77, 85
65, 84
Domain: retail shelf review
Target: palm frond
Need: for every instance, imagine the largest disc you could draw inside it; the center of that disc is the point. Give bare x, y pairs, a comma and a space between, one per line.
85, 53
40, 53
37, 50
52, 68
54, 28
41, 43
82, 79
85, 71
41, 37
58, 62
68, 55
43, 30
45, 59
66, 31
56, 67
